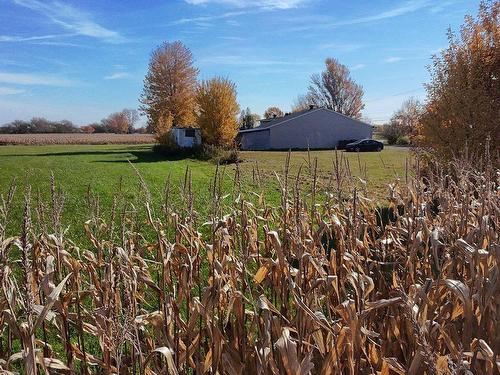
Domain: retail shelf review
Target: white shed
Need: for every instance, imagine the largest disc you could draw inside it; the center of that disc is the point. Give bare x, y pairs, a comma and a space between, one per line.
187, 137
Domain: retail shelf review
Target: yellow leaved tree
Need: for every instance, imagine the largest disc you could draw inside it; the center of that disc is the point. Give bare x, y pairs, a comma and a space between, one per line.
217, 111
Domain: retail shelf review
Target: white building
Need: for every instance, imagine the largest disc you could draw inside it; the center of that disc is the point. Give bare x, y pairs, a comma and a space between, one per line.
187, 137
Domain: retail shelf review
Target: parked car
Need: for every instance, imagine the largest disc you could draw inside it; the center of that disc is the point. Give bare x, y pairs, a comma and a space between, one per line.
365, 145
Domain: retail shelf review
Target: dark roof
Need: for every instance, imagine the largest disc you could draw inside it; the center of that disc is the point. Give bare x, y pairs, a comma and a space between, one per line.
268, 124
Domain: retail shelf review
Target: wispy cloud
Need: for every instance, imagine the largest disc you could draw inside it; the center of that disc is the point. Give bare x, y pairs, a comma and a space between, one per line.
17, 38
118, 75
393, 59
441, 5
209, 18
341, 47
404, 8
231, 38
71, 19
268, 4
358, 66
33, 79
10, 91
237, 60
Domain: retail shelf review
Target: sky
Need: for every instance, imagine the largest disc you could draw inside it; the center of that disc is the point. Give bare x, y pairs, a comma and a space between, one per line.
82, 60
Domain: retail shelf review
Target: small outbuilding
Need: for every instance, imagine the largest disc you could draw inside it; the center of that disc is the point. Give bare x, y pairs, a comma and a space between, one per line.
315, 128
187, 137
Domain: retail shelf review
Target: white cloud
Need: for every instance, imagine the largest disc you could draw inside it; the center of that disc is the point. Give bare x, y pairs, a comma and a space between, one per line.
358, 66
341, 47
404, 8
16, 38
245, 61
209, 18
393, 59
10, 91
71, 19
118, 75
33, 79
268, 4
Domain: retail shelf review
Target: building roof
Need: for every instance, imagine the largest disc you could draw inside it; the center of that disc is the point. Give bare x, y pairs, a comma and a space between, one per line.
280, 120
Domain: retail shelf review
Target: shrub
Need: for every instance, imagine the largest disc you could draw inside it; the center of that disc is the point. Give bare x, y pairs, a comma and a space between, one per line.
391, 133
167, 145
403, 140
217, 154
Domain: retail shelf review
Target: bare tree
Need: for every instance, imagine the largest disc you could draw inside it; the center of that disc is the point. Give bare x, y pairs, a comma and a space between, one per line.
170, 85
273, 112
335, 89
404, 122
301, 103
132, 117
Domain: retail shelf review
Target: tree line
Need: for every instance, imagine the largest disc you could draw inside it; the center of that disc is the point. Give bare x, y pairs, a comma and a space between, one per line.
120, 122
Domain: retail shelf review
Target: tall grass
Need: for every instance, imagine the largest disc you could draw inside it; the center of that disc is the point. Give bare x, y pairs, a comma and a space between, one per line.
324, 283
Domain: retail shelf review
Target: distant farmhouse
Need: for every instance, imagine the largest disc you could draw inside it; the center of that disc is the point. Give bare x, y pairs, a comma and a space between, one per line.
315, 128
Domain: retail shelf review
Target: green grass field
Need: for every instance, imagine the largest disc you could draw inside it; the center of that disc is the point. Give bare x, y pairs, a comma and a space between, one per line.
108, 170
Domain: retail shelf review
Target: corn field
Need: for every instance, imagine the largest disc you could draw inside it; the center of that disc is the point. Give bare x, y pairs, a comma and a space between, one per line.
75, 139
323, 283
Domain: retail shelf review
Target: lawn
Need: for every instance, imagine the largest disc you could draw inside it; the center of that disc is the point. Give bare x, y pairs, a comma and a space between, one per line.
112, 170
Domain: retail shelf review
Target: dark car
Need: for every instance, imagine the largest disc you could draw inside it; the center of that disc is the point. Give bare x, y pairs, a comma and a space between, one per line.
365, 145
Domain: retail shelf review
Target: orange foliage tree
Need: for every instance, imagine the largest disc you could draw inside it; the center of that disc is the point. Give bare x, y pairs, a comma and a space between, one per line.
170, 86
218, 111
463, 97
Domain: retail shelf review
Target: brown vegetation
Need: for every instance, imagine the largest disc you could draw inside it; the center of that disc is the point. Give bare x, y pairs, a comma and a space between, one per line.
75, 138
273, 112
305, 287
463, 97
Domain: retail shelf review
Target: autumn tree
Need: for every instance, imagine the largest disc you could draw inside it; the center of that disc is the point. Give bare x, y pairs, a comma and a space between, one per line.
463, 96
335, 89
248, 119
217, 111
116, 123
88, 129
170, 86
121, 122
404, 122
273, 112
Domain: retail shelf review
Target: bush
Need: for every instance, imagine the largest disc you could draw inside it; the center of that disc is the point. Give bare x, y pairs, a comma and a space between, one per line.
391, 133
217, 154
403, 140
168, 146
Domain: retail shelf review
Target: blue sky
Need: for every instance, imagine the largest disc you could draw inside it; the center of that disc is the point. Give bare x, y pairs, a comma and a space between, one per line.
82, 60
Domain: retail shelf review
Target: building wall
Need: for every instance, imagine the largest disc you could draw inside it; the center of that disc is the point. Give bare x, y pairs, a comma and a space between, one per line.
257, 140
319, 129
186, 142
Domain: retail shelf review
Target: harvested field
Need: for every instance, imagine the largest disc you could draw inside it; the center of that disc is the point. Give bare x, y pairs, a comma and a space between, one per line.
75, 139
305, 287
